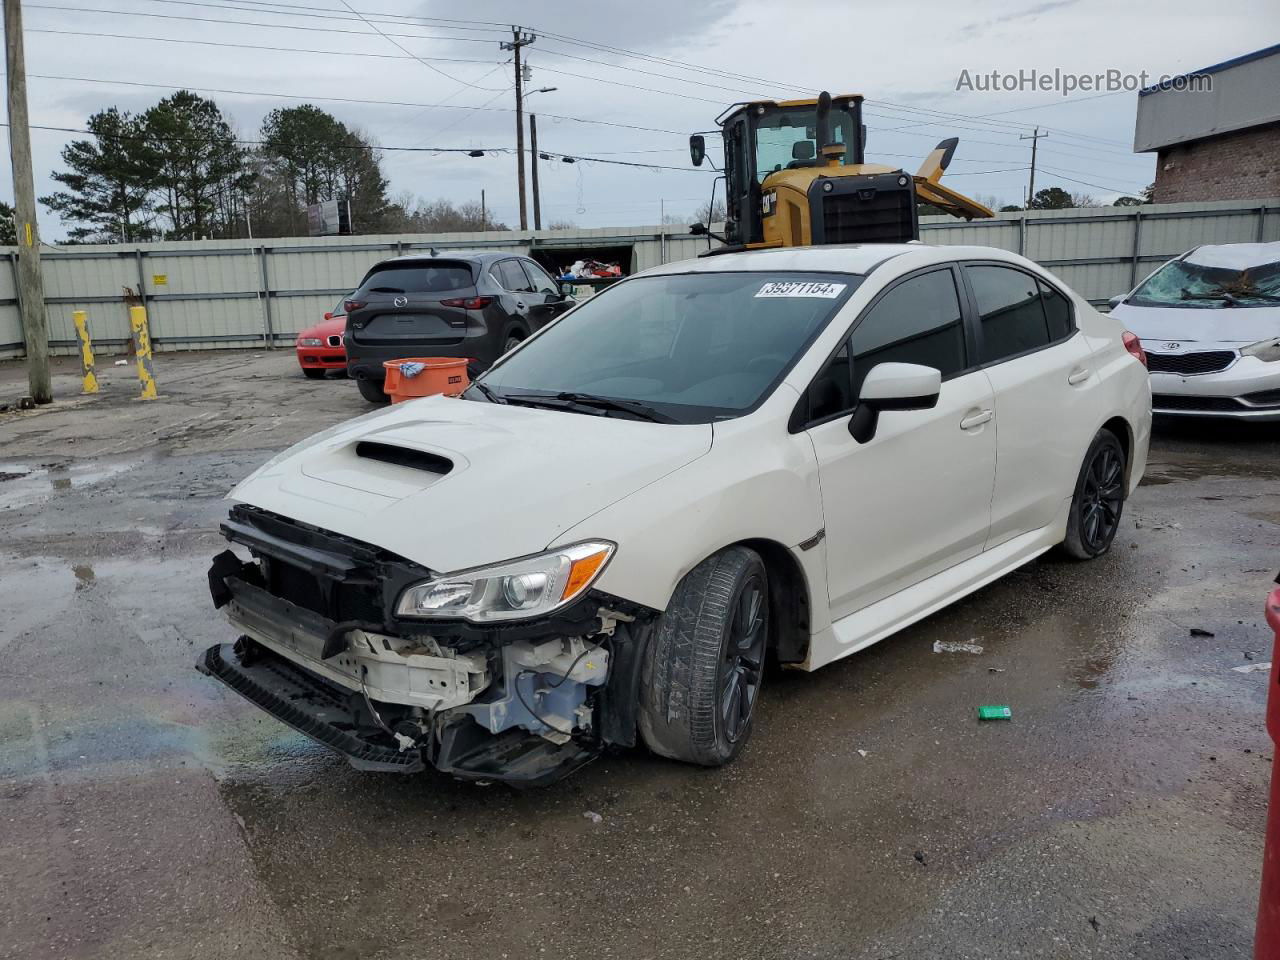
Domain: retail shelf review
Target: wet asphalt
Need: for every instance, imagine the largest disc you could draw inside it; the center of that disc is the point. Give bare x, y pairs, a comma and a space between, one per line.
145, 811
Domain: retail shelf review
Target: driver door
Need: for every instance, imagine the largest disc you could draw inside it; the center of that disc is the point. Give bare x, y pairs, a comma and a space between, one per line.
916, 498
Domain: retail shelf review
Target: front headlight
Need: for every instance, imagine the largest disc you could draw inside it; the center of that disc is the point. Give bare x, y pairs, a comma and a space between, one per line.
516, 590
1268, 350
310, 342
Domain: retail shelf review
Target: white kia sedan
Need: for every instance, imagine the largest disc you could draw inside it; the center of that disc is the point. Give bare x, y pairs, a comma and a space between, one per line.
780, 455
1210, 324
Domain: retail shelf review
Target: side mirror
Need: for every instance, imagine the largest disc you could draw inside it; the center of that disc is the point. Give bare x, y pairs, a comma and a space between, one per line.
893, 386
328, 314
1116, 301
697, 149
698, 229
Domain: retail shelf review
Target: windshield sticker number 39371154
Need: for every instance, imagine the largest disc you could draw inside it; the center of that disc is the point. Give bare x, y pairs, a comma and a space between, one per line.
801, 288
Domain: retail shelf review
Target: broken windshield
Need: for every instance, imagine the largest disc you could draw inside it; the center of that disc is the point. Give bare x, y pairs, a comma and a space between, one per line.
1185, 284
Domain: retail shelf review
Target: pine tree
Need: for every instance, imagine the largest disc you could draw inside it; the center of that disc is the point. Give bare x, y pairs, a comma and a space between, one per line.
108, 193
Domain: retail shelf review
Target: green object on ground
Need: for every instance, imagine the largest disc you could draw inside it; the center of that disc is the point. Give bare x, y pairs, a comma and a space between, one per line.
995, 713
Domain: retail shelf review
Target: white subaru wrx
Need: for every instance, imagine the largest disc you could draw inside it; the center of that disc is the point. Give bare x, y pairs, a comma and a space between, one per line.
780, 455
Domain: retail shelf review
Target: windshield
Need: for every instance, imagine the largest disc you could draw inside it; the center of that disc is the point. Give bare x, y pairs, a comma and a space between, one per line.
787, 139
1185, 284
691, 347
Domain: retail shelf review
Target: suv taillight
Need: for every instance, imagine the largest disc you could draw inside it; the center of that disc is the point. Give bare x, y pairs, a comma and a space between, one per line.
1134, 346
467, 303
351, 305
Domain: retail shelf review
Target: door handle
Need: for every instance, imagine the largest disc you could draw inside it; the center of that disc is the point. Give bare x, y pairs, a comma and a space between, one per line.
976, 419
1078, 376
520, 304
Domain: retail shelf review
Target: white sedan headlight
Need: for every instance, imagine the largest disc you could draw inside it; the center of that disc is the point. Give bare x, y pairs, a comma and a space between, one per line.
310, 342
515, 590
1268, 350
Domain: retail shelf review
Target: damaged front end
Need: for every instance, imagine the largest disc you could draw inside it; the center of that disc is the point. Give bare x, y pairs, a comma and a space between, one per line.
339, 639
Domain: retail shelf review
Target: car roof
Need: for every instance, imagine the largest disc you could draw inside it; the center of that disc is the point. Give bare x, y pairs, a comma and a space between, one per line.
1234, 256
856, 258
472, 256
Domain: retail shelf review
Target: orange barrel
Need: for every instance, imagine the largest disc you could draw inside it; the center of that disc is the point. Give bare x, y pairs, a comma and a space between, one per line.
446, 375
1266, 945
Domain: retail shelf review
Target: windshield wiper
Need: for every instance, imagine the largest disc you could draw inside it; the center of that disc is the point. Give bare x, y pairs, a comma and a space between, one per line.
487, 393
1219, 295
639, 410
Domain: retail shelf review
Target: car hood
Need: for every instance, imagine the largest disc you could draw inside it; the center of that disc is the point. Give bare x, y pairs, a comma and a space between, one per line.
326, 328
519, 476
1242, 325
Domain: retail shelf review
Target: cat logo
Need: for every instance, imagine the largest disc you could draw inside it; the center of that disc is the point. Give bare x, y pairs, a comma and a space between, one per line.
768, 203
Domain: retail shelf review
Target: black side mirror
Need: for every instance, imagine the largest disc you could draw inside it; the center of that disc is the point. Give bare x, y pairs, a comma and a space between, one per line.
698, 229
697, 149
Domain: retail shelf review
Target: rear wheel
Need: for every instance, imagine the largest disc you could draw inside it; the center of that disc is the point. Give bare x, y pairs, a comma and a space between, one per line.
372, 390
1098, 500
313, 373
701, 676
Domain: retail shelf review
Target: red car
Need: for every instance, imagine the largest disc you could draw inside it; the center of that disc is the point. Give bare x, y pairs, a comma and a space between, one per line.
320, 348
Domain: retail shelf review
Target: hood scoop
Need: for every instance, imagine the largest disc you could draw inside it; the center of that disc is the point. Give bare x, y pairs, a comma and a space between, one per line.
404, 457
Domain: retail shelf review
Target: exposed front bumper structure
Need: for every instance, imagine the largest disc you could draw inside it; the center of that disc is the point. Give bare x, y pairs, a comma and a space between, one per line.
321, 650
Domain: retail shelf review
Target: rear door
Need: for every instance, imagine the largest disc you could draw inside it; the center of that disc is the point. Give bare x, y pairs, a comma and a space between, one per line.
414, 304
1041, 370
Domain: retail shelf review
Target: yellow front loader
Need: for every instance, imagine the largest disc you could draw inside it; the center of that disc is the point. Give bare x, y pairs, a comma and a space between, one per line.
796, 175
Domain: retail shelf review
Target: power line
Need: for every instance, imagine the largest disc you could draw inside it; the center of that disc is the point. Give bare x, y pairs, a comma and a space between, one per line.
1086, 183
401, 47
570, 157
356, 100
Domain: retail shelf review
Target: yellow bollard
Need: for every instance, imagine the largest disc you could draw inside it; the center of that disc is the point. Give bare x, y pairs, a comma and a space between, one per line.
142, 347
86, 351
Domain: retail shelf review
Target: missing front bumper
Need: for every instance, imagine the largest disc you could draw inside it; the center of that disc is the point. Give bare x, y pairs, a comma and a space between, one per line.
332, 716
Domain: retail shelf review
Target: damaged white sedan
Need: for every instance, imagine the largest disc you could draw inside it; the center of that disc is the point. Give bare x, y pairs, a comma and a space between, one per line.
781, 456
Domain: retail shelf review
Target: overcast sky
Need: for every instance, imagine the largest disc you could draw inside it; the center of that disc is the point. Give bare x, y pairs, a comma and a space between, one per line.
905, 57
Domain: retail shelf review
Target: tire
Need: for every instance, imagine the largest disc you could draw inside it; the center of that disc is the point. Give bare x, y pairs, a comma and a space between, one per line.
513, 340
372, 390
313, 373
701, 677
1099, 499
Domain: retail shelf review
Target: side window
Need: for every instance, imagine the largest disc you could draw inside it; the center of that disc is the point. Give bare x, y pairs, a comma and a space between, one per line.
512, 277
538, 279
918, 321
1010, 316
1057, 310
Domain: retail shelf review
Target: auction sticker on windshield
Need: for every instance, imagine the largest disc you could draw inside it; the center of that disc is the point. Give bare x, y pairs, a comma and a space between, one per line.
801, 288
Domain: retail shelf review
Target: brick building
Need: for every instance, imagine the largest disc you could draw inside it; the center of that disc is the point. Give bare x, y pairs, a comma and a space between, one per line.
1216, 131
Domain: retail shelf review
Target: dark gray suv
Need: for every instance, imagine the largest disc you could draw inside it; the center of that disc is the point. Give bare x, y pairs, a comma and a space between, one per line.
446, 305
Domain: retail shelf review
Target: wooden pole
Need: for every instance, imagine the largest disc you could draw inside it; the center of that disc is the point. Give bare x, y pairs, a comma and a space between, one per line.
35, 321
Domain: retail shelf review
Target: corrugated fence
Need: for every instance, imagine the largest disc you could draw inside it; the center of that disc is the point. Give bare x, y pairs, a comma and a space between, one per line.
240, 293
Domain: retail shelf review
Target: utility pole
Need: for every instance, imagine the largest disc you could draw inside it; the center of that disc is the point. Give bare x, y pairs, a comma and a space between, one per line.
35, 325
533, 159
519, 40
484, 216
1031, 187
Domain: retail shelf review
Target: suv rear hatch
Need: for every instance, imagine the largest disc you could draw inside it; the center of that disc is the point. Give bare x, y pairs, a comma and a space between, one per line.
416, 303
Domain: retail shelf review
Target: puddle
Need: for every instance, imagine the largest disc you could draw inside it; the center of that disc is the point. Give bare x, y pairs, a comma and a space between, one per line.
28, 483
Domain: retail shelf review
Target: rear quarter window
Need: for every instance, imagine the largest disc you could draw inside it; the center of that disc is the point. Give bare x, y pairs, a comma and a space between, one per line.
435, 277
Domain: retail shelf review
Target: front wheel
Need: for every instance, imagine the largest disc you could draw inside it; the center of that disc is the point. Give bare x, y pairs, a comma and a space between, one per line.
701, 676
372, 390
1099, 499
